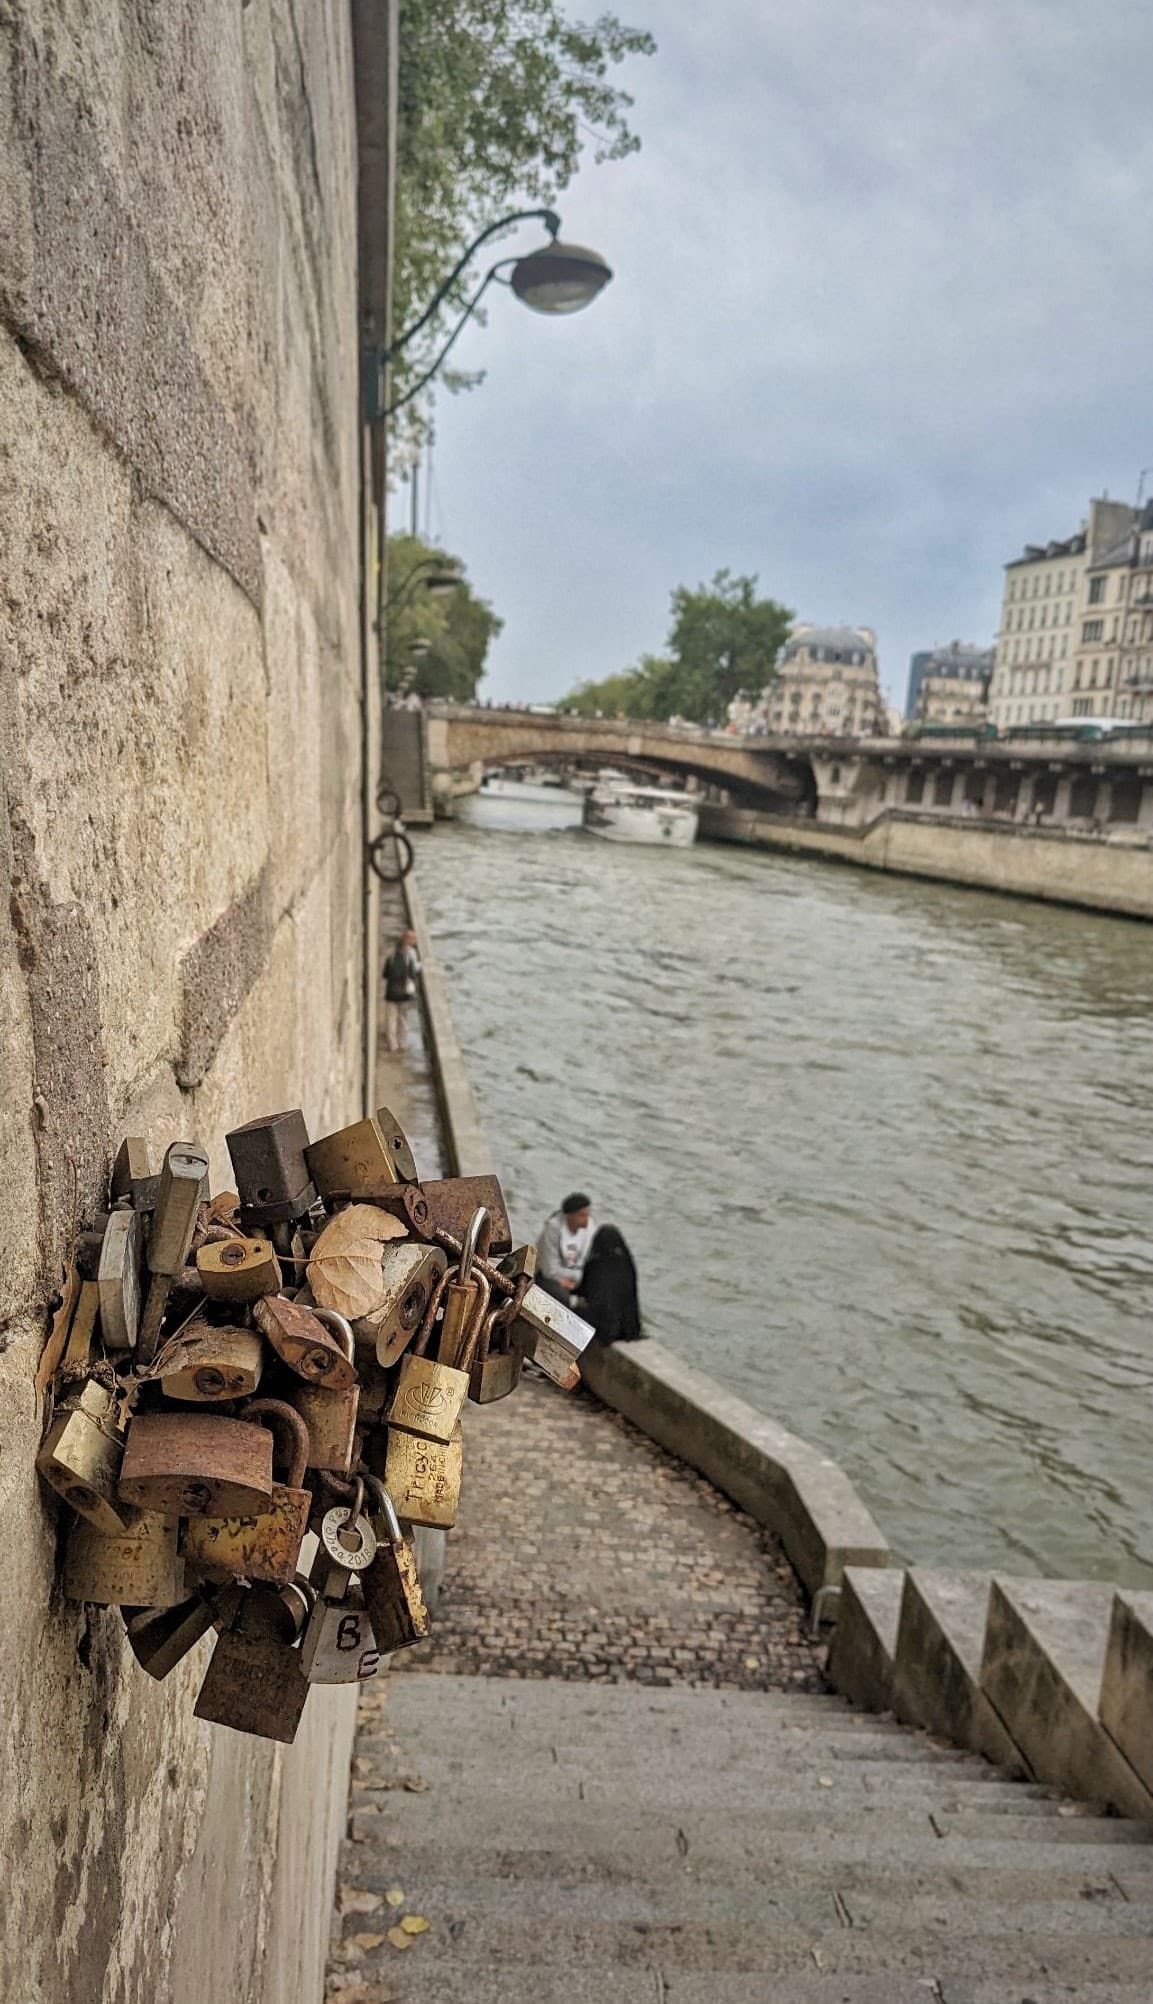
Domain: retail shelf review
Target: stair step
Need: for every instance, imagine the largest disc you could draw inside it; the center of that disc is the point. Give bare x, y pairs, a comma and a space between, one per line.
865, 1638
937, 1671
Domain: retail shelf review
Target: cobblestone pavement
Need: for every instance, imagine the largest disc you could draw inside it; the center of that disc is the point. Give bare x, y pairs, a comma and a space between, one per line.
585, 1551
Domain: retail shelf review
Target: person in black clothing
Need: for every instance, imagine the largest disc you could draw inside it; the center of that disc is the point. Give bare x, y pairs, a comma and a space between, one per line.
609, 1289
400, 972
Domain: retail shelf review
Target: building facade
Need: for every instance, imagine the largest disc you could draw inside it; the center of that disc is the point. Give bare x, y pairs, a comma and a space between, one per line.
1113, 669
827, 684
1059, 646
960, 675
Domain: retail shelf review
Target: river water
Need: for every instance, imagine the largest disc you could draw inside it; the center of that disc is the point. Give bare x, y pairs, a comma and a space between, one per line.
883, 1150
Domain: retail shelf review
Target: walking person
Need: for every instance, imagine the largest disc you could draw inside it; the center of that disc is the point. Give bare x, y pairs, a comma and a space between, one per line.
608, 1289
400, 975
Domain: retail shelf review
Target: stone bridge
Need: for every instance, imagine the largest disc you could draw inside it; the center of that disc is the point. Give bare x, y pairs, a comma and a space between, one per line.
1058, 780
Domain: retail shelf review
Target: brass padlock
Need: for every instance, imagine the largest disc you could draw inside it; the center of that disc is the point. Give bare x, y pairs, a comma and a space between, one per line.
359, 1161
81, 1458
196, 1465
183, 1181
391, 1586
118, 1280
205, 1363
264, 1547
131, 1169
410, 1271
423, 1477
238, 1270
254, 1683
430, 1394
160, 1638
496, 1367
330, 1416
140, 1568
302, 1342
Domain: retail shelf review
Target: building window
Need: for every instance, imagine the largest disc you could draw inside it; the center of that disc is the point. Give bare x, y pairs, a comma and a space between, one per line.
1097, 590
943, 790
1093, 629
1082, 706
915, 789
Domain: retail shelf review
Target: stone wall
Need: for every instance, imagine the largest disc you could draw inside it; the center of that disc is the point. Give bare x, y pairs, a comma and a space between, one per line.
181, 947
1061, 866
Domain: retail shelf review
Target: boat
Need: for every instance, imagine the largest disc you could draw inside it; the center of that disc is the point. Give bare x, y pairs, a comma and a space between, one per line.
623, 812
527, 798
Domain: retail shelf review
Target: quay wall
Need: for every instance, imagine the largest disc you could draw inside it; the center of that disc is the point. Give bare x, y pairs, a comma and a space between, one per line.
182, 942
1063, 866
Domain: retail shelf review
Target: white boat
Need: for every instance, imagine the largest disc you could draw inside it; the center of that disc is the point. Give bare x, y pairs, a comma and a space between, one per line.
622, 812
510, 803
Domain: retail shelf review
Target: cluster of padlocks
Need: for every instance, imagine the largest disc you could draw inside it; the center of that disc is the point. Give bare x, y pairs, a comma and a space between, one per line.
256, 1395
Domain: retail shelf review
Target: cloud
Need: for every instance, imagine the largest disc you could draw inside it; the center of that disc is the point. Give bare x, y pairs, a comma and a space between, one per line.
880, 316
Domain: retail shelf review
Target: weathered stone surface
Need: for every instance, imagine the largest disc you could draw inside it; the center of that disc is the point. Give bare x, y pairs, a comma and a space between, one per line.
865, 1638
1042, 1669
1126, 1705
937, 1666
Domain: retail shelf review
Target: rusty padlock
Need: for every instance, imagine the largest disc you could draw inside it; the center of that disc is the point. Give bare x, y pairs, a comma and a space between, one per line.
238, 1269
82, 1454
301, 1341
205, 1363
140, 1568
358, 1161
410, 1272
330, 1414
196, 1465
267, 1546
430, 1394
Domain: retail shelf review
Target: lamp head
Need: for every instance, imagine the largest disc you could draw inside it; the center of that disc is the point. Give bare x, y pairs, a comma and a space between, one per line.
560, 278
444, 579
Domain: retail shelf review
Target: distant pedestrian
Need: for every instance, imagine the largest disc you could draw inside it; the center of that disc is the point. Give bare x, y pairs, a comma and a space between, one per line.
563, 1247
608, 1289
400, 975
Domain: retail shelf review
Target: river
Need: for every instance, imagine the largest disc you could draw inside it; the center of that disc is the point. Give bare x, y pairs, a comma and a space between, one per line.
883, 1150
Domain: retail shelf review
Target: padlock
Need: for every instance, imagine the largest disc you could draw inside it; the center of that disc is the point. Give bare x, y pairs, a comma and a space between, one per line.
358, 1161
118, 1280
132, 1175
411, 1272
238, 1269
338, 1646
160, 1638
264, 1547
496, 1367
140, 1568
330, 1416
183, 1182
82, 1329
551, 1336
301, 1341
81, 1458
272, 1173
205, 1363
196, 1465
276, 1611
255, 1682
423, 1477
429, 1395
446, 1206
391, 1586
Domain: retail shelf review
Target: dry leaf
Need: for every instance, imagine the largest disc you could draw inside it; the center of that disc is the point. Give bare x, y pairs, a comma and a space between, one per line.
368, 1942
345, 1271
398, 1938
355, 1900
58, 1333
395, 1896
415, 1924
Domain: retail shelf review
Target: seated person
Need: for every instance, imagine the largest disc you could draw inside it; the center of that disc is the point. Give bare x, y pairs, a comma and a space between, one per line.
563, 1247
609, 1289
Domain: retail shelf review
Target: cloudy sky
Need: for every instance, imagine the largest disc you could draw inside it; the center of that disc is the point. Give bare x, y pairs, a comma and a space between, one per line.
881, 315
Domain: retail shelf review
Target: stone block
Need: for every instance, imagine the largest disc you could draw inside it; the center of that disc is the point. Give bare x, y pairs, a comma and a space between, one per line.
1042, 1667
937, 1671
1126, 1705
865, 1639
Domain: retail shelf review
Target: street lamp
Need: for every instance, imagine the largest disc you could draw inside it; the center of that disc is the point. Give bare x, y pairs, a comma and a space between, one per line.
557, 278
437, 575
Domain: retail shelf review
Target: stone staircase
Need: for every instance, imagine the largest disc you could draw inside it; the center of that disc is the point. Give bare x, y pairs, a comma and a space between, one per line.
616, 1844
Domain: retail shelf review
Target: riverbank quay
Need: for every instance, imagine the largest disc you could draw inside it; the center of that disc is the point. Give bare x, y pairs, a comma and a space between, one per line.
557, 1822
1064, 866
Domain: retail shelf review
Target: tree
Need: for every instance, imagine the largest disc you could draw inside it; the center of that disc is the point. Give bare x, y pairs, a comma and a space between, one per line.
723, 641
435, 645
497, 102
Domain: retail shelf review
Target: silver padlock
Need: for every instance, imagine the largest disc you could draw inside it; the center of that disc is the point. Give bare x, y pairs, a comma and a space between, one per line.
338, 1646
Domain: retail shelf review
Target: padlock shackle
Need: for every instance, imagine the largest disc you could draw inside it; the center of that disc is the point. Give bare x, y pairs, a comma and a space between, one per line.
384, 1504
276, 1412
466, 1356
341, 1325
475, 1243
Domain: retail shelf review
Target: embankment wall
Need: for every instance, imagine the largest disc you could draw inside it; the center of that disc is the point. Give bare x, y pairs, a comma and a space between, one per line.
181, 947
1062, 866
